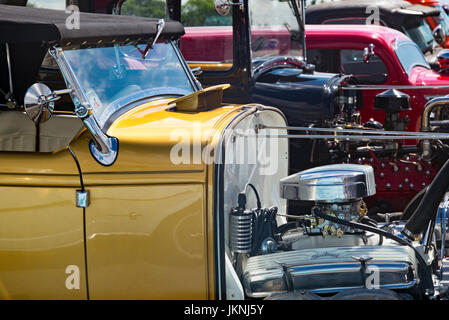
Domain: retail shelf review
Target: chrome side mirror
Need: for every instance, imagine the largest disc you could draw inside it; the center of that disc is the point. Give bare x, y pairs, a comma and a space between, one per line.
439, 34
368, 52
39, 102
223, 7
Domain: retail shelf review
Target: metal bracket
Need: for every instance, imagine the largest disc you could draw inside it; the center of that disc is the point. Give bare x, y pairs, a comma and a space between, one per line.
82, 198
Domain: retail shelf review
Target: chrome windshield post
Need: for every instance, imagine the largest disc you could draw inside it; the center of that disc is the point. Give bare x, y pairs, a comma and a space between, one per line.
102, 147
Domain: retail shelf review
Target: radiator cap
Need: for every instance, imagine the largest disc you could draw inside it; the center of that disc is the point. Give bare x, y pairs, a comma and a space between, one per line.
331, 183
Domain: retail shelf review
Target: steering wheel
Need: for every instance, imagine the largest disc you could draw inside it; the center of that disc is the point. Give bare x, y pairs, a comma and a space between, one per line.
278, 62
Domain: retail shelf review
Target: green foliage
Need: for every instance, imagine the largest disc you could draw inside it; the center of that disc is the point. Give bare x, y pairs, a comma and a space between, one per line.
144, 8
202, 13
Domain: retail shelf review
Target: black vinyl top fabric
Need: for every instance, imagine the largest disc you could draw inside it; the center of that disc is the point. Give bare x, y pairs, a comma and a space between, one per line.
25, 25
30, 32
315, 14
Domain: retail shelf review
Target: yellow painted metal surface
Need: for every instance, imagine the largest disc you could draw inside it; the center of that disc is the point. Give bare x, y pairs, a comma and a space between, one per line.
41, 229
147, 242
211, 66
149, 225
150, 222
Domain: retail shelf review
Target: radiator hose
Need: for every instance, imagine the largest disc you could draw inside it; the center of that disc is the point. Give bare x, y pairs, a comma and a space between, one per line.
428, 206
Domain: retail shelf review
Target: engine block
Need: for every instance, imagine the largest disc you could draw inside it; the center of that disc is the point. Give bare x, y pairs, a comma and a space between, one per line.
398, 179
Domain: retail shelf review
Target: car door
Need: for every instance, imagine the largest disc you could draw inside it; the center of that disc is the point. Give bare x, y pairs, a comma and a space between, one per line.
41, 228
145, 224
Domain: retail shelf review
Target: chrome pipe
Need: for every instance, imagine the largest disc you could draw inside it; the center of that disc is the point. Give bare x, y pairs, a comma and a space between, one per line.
359, 131
425, 122
346, 137
388, 87
425, 116
8, 61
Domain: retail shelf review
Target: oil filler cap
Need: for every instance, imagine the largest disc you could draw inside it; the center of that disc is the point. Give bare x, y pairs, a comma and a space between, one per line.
392, 101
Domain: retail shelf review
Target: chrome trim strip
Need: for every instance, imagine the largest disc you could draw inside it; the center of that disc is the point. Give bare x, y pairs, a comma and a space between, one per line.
103, 148
377, 132
8, 61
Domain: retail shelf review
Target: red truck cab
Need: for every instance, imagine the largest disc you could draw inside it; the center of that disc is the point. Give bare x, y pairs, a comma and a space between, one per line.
396, 61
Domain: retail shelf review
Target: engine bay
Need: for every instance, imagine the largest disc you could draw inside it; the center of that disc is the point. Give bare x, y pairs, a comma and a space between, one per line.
336, 251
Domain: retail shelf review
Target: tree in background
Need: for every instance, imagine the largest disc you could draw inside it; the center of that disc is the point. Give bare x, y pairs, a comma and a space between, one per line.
144, 8
202, 13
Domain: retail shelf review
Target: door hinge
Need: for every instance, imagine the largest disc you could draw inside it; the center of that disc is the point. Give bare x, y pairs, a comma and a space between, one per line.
82, 198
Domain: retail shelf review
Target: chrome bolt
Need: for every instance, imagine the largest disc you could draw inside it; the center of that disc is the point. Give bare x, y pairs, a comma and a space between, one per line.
406, 180
382, 175
396, 169
423, 184
400, 186
419, 168
406, 169
388, 186
412, 185
382, 165
427, 173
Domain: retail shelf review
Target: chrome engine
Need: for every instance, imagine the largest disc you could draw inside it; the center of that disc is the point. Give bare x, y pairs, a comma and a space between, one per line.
325, 258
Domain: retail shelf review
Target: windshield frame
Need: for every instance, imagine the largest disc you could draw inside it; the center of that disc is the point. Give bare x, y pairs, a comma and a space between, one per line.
127, 102
296, 10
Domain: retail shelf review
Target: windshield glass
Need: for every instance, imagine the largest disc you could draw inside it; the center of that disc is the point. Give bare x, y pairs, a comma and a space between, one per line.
421, 35
274, 29
410, 56
110, 75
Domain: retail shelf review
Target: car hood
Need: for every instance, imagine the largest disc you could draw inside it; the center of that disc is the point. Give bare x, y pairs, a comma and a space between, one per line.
424, 77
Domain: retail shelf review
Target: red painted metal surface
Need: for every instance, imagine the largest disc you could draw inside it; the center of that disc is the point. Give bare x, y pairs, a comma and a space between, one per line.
215, 43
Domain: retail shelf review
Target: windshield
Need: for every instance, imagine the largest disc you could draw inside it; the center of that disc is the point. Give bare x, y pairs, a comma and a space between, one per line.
421, 35
110, 75
274, 29
410, 56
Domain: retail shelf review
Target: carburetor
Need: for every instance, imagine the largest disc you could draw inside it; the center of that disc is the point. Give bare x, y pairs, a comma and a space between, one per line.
337, 190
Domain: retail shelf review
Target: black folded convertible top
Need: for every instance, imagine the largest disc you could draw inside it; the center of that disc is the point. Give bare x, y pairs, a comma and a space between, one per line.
24, 25
30, 32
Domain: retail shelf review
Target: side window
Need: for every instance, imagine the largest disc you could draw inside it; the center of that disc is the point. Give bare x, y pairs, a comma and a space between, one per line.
208, 40
325, 60
373, 72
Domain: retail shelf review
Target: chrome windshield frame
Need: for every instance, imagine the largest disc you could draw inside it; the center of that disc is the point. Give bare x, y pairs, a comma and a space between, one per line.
103, 147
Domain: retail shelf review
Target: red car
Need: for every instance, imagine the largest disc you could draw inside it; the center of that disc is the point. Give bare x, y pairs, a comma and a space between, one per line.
393, 59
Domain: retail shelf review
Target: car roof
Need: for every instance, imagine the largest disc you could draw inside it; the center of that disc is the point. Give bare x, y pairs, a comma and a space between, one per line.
30, 25
380, 33
385, 6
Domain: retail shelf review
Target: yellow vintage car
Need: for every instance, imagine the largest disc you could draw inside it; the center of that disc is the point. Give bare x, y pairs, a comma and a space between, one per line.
112, 181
